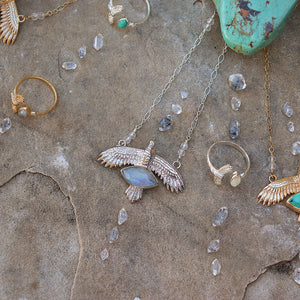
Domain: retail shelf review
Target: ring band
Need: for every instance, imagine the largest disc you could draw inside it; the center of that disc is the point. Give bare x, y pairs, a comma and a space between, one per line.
235, 178
124, 21
18, 101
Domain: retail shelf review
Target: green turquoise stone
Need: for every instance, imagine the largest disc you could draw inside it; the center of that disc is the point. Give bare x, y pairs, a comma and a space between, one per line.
295, 200
140, 177
122, 23
248, 26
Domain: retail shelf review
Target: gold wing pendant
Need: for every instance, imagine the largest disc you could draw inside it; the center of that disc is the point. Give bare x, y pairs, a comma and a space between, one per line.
139, 176
9, 21
167, 173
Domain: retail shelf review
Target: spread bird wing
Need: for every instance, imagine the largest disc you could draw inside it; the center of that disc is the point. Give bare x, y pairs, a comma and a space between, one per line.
121, 156
9, 21
167, 173
279, 189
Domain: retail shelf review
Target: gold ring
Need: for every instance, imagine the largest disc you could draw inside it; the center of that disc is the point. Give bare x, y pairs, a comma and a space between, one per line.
123, 22
235, 177
18, 101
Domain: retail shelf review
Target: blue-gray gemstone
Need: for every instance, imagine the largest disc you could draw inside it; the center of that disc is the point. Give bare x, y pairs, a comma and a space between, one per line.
139, 176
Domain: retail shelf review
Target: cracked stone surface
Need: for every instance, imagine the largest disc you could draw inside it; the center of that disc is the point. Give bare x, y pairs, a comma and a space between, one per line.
56, 217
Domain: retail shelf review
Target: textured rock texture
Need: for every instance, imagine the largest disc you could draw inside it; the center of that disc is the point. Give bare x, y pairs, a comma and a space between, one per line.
57, 204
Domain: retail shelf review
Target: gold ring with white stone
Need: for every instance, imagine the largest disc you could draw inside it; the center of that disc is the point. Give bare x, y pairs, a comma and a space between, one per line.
235, 177
18, 101
124, 21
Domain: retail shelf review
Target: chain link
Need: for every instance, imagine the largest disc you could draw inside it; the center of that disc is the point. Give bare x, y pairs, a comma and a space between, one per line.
49, 13
271, 149
176, 72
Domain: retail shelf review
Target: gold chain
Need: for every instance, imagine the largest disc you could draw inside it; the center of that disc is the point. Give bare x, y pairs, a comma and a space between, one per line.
49, 13
272, 176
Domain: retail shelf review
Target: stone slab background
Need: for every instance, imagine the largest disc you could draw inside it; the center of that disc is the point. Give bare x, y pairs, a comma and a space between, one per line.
58, 204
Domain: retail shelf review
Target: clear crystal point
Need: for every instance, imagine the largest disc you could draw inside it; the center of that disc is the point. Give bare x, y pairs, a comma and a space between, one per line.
296, 148
184, 94
214, 246
122, 217
235, 103
296, 275
113, 235
69, 65
234, 130
216, 267
291, 126
165, 123
98, 42
5, 125
104, 254
220, 217
287, 110
237, 82
82, 51
176, 109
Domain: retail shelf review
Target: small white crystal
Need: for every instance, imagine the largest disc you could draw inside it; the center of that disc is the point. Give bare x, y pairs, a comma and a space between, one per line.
214, 246
82, 52
165, 123
114, 9
184, 146
287, 110
296, 275
184, 94
290, 126
113, 235
237, 82
220, 217
235, 103
177, 109
137, 298
296, 148
234, 130
5, 125
98, 42
104, 254
69, 65
216, 267
122, 217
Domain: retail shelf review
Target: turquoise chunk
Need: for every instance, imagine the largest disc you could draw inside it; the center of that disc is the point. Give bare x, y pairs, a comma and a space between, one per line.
248, 26
140, 177
122, 23
295, 200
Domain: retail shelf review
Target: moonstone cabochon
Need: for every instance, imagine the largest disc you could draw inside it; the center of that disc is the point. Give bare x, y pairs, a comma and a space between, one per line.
140, 177
294, 203
248, 26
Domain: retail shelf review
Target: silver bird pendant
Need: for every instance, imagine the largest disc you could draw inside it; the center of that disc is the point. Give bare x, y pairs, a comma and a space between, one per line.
276, 191
140, 175
9, 21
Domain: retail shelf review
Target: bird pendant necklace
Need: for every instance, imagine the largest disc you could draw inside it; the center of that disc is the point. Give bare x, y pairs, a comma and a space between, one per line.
145, 164
10, 18
278, 189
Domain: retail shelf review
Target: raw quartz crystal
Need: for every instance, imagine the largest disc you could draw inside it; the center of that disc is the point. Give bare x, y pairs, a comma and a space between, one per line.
291, 126
214, 246
296, 275
98, 42
5, 125
234, 130
220, 217
216, 267
176, 109
296, 148
287, 110
37, 16
184, 94
122, 217
69, 65
82, 52
113, 235
235, 103
237, 82
104, 254
165, 123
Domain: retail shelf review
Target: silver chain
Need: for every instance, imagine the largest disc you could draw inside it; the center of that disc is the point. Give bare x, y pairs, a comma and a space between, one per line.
166, 87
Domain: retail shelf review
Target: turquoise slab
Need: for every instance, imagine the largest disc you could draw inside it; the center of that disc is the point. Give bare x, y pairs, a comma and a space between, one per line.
295, 201
140, 177
248, 26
